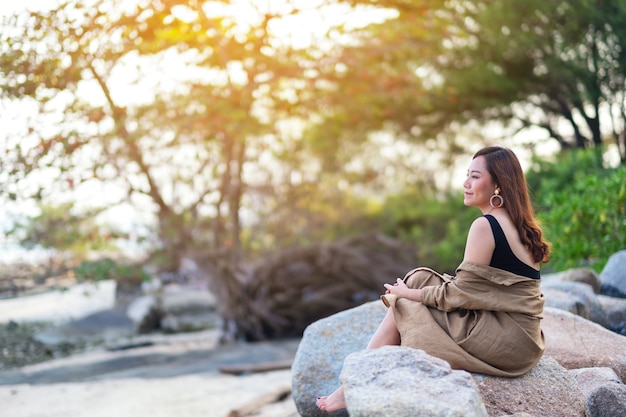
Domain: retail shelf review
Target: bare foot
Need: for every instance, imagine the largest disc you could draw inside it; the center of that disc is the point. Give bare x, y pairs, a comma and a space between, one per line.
333, 402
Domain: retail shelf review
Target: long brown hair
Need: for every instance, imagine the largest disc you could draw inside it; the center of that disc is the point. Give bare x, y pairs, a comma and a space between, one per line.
506, 172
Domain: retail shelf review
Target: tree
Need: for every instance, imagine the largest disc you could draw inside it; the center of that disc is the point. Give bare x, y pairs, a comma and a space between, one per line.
379, 81
556, 66
184, 148
437, 67
419, 74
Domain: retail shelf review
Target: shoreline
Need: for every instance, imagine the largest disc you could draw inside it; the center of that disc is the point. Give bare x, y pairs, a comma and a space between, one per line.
176, 375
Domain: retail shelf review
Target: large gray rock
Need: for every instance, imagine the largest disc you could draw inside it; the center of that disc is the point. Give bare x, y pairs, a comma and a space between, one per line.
615, 310
577, 298
102, 327
575, 342
606, 395
396, 381
572, 342
174, 309
613, 276
322, 350
561, 299
584, 275
547, 390
140, 308
186, 309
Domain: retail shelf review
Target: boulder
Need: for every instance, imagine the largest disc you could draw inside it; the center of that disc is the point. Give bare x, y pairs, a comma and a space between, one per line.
575, 342
185, 309
324, 346
332, 344
615, 310
140, 309
613, 276
561, 299
174, 308
583, 275
577, 298
547, 390
411, 383
606, 395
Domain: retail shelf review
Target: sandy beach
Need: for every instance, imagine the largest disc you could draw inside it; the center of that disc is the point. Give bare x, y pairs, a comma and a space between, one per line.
183, 396
176, 376
149, 375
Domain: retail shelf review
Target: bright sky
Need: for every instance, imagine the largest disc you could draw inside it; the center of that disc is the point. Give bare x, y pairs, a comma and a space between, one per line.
11, 6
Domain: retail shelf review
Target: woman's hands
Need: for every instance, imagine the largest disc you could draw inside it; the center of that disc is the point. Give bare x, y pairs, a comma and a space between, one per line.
401, 290
397, 288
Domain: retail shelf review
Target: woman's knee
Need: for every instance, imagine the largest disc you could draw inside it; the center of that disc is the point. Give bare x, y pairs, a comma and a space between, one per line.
419, 278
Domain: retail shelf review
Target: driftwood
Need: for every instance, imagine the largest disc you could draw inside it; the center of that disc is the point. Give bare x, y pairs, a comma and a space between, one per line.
252, 408
285, 292
250, 368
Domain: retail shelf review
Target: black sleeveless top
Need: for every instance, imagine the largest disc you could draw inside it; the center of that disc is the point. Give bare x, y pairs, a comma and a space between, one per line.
503, 257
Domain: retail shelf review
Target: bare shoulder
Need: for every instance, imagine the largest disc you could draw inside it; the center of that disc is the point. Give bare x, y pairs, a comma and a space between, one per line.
480, 242
480, 224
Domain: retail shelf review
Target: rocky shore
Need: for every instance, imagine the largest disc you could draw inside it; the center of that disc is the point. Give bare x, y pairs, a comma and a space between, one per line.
71, 349
20, 346
88, 358
169, 375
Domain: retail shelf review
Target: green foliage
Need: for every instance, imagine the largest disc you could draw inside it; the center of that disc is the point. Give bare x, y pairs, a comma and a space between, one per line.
58, 227
105, 269
582, 207
441, 64
547, 176
586, 221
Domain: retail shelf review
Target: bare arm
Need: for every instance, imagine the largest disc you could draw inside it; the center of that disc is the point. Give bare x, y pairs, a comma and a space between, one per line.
478, 249
480, 242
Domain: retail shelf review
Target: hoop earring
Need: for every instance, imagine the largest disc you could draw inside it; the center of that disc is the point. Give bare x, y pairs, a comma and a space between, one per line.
500, 202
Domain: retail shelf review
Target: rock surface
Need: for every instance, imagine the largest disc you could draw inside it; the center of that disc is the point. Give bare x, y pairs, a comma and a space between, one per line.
411, 383
615, 309
612, 276
319, 358
572, 342
578, 343
606, 395
577, 298
585, 276
547, 390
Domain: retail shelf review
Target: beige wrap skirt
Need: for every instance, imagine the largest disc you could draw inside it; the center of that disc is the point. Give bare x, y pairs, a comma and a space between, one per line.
490, 342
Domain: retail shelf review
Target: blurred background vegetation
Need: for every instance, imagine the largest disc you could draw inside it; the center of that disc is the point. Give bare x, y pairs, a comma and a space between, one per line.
157, 128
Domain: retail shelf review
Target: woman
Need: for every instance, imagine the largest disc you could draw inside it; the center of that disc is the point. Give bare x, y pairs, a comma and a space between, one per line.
485, 319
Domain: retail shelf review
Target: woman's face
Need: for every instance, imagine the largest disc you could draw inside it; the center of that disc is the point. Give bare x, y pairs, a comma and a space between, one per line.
478, 186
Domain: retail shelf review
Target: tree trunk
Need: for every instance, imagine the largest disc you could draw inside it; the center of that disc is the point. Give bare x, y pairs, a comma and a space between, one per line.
287, 291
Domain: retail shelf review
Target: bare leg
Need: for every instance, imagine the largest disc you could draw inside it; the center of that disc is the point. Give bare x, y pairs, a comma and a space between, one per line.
386, 334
